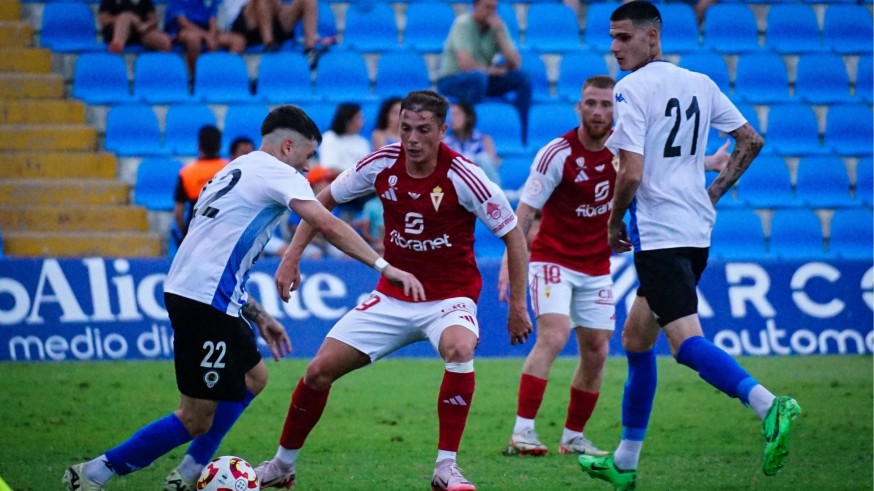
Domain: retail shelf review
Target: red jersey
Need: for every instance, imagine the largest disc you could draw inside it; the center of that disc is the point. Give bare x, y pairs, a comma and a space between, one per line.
574, 189
429, 222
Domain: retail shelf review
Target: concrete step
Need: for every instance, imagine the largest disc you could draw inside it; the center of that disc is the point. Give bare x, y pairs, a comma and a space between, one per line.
29, 60
48, 137
10, 10
57, 165
68, 192
31, 85
15, 34
113, 218
41, 111
80, 244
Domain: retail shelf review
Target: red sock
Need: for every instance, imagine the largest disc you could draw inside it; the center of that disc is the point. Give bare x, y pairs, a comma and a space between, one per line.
303, 413
531, 391
453, 404
580, 409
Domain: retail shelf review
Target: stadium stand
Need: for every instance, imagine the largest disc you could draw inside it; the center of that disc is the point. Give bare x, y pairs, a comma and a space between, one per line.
575, 68
156, 178
680, 31
847, 29
68, 27
864, 182
182, 126
761, 78
822, 182
767, 184
730, 28
864, 80
550, 120
597, 33
101, 78
711, 64
849, 129
533, 64
343, 76
243, 120
161, 78
552, 28
501, 121
399, 72
371, 27
795, 234
222, 78
737, 234
793, 130
792, 29
132, 131
822, 79
284, 77
427, 25
851, 234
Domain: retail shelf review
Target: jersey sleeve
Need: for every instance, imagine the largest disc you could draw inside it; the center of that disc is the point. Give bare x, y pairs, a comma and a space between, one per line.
359, 180
482, 197
629, 112
726, 116
545, 173
284, 187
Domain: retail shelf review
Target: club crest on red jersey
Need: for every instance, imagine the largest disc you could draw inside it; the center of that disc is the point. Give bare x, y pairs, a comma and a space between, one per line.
436, 197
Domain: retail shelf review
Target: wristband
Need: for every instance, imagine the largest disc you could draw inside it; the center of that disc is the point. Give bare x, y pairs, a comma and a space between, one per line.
380, 264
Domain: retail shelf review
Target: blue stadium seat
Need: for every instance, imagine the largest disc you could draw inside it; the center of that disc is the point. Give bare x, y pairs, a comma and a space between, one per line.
847, 29
716, 138
864, 182
101, 78
161, 78
243, 120
428, 23
680, 29
533, 64
132, 131
342, 76
737, 234
849, 129
486, 245
793, 131
552, 27
183, 123
761, 78
575, 68
548, 121
795, 234
501, 122
399, 72
792, 29
731, 28
711, 64
222, 78
864, 79
508, 15
284, 77
371, 27
327, 26
597, 29
156, 179
68, 27
514, 171
321, 113
767, 184
822, 182
822, 79
851, 234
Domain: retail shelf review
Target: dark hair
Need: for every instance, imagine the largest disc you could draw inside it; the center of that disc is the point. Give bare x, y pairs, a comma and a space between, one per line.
599, 82
240, 140
209, 141
639, 12
343, 115
426, 100
469, 116
291, 118
384, 109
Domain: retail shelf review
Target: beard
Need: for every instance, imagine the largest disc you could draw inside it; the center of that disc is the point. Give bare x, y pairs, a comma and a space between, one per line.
596, 133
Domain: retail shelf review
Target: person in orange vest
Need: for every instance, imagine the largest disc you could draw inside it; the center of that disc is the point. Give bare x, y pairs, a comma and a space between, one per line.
195, 175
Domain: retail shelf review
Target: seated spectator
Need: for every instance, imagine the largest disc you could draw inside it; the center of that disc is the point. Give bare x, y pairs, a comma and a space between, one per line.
387, 129
240, 146
272, 22
342, 145
193, 24
464, 138
195, 175
468, 69
131, 21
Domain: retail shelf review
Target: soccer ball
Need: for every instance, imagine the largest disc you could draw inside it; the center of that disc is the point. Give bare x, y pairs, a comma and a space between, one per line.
228, 473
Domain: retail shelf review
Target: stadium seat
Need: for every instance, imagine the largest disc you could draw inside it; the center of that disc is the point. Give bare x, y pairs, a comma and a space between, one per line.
847, 29
597, 29
792, 29
737, 234
486, 245
822, 79
183, 123
243, 120
822, 182
767, 184
533, 65
851, 235
222, 78
680, 29
711, 64
321, 113
793, 131
864, 182
371, 27
552, 28
550, 120
342, 76
849, 129
731, 28
427, 25
575, 68
132, 131
761, 78
156, 179
751, 114
68, 27
514, 171
795, 234
101, 78
508, 15
161, 78
399, 72
284, 77
327, 26
501, 122
864, 79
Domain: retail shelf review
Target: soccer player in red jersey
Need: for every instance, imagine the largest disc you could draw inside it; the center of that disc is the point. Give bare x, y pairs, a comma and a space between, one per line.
432, 197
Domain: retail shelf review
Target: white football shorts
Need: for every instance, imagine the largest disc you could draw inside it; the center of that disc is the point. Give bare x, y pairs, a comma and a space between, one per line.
587, 300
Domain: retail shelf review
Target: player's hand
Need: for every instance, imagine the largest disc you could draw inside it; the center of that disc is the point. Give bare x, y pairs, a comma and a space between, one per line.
504, 282
412, 287
519, 324
719, 160
287, 278
617, 237
274, 334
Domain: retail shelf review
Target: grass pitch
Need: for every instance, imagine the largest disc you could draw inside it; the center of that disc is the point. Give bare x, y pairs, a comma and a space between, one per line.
379, 430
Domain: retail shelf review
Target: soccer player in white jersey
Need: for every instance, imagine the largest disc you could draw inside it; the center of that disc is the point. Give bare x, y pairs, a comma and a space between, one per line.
216, 357
663, 115
432, 197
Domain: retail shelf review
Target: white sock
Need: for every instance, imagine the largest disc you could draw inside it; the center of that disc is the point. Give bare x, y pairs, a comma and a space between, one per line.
98, 471
568, 435
627, 454
189, 468
445, 454
523, 424
286, 455
761, 400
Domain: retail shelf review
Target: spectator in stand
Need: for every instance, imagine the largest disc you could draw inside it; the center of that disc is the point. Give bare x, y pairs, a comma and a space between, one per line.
131, 21
193, 24
272, 22
464, 138
468, 70
240, 146
387, 129
194, 176
343, 145
372, 224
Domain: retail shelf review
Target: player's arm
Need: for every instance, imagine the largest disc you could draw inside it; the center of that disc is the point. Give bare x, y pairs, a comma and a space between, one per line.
749, 144
526, 215
719, 160
518, 322
271, 330
627, 181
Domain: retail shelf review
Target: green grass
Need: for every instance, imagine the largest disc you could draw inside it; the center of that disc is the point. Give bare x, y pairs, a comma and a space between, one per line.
379, 429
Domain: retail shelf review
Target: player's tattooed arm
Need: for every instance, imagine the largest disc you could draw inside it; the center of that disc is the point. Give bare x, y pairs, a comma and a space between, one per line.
749, 144
271, 330
252, 310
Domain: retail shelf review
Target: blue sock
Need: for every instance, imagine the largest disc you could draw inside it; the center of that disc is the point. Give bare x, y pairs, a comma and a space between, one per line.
639, 394
204, 447
147, 444
716, 367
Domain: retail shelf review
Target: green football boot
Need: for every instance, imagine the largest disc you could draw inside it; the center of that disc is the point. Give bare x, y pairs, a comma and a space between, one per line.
604, 469
775, 428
